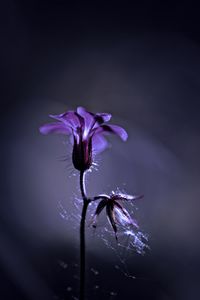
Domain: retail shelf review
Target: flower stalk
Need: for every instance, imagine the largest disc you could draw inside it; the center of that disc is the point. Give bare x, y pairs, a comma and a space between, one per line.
86, 202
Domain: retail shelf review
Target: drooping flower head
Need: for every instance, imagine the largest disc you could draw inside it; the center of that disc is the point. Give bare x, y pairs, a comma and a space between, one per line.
87, 131
116, 213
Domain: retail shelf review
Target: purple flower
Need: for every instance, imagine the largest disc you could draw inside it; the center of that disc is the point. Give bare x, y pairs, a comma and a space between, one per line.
115, 212
87, 131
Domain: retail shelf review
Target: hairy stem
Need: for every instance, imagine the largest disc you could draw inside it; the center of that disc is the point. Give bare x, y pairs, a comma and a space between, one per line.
82, 236
82, 186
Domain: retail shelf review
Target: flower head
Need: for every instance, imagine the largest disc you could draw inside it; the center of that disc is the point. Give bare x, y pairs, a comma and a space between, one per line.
116, 213
87, 131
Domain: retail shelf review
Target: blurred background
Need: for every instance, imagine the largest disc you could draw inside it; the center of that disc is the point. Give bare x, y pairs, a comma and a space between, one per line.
141, 63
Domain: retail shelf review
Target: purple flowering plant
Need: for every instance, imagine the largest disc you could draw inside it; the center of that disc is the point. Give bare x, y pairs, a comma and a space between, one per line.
87, 133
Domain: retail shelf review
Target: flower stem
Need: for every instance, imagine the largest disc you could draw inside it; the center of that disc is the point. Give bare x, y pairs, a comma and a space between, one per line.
82, 185
82, 236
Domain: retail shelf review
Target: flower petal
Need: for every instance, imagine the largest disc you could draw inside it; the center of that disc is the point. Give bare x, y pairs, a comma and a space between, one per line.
89, 120
103, 117
58, 128
99, 143
92, 120
115, 129
70, 118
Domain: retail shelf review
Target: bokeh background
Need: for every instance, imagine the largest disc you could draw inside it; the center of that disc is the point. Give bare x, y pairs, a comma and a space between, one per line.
140, 62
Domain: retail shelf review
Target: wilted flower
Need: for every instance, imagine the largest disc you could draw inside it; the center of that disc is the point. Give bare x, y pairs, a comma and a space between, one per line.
87, 131
115, 212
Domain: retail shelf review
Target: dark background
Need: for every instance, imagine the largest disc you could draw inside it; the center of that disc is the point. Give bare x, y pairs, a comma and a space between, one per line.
141, 62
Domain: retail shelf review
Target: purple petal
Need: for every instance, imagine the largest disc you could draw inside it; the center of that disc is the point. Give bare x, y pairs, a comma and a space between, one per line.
105, 117
92, 120
89, 120
70, 118
100, 119
115, 129
99, 143
58, 128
